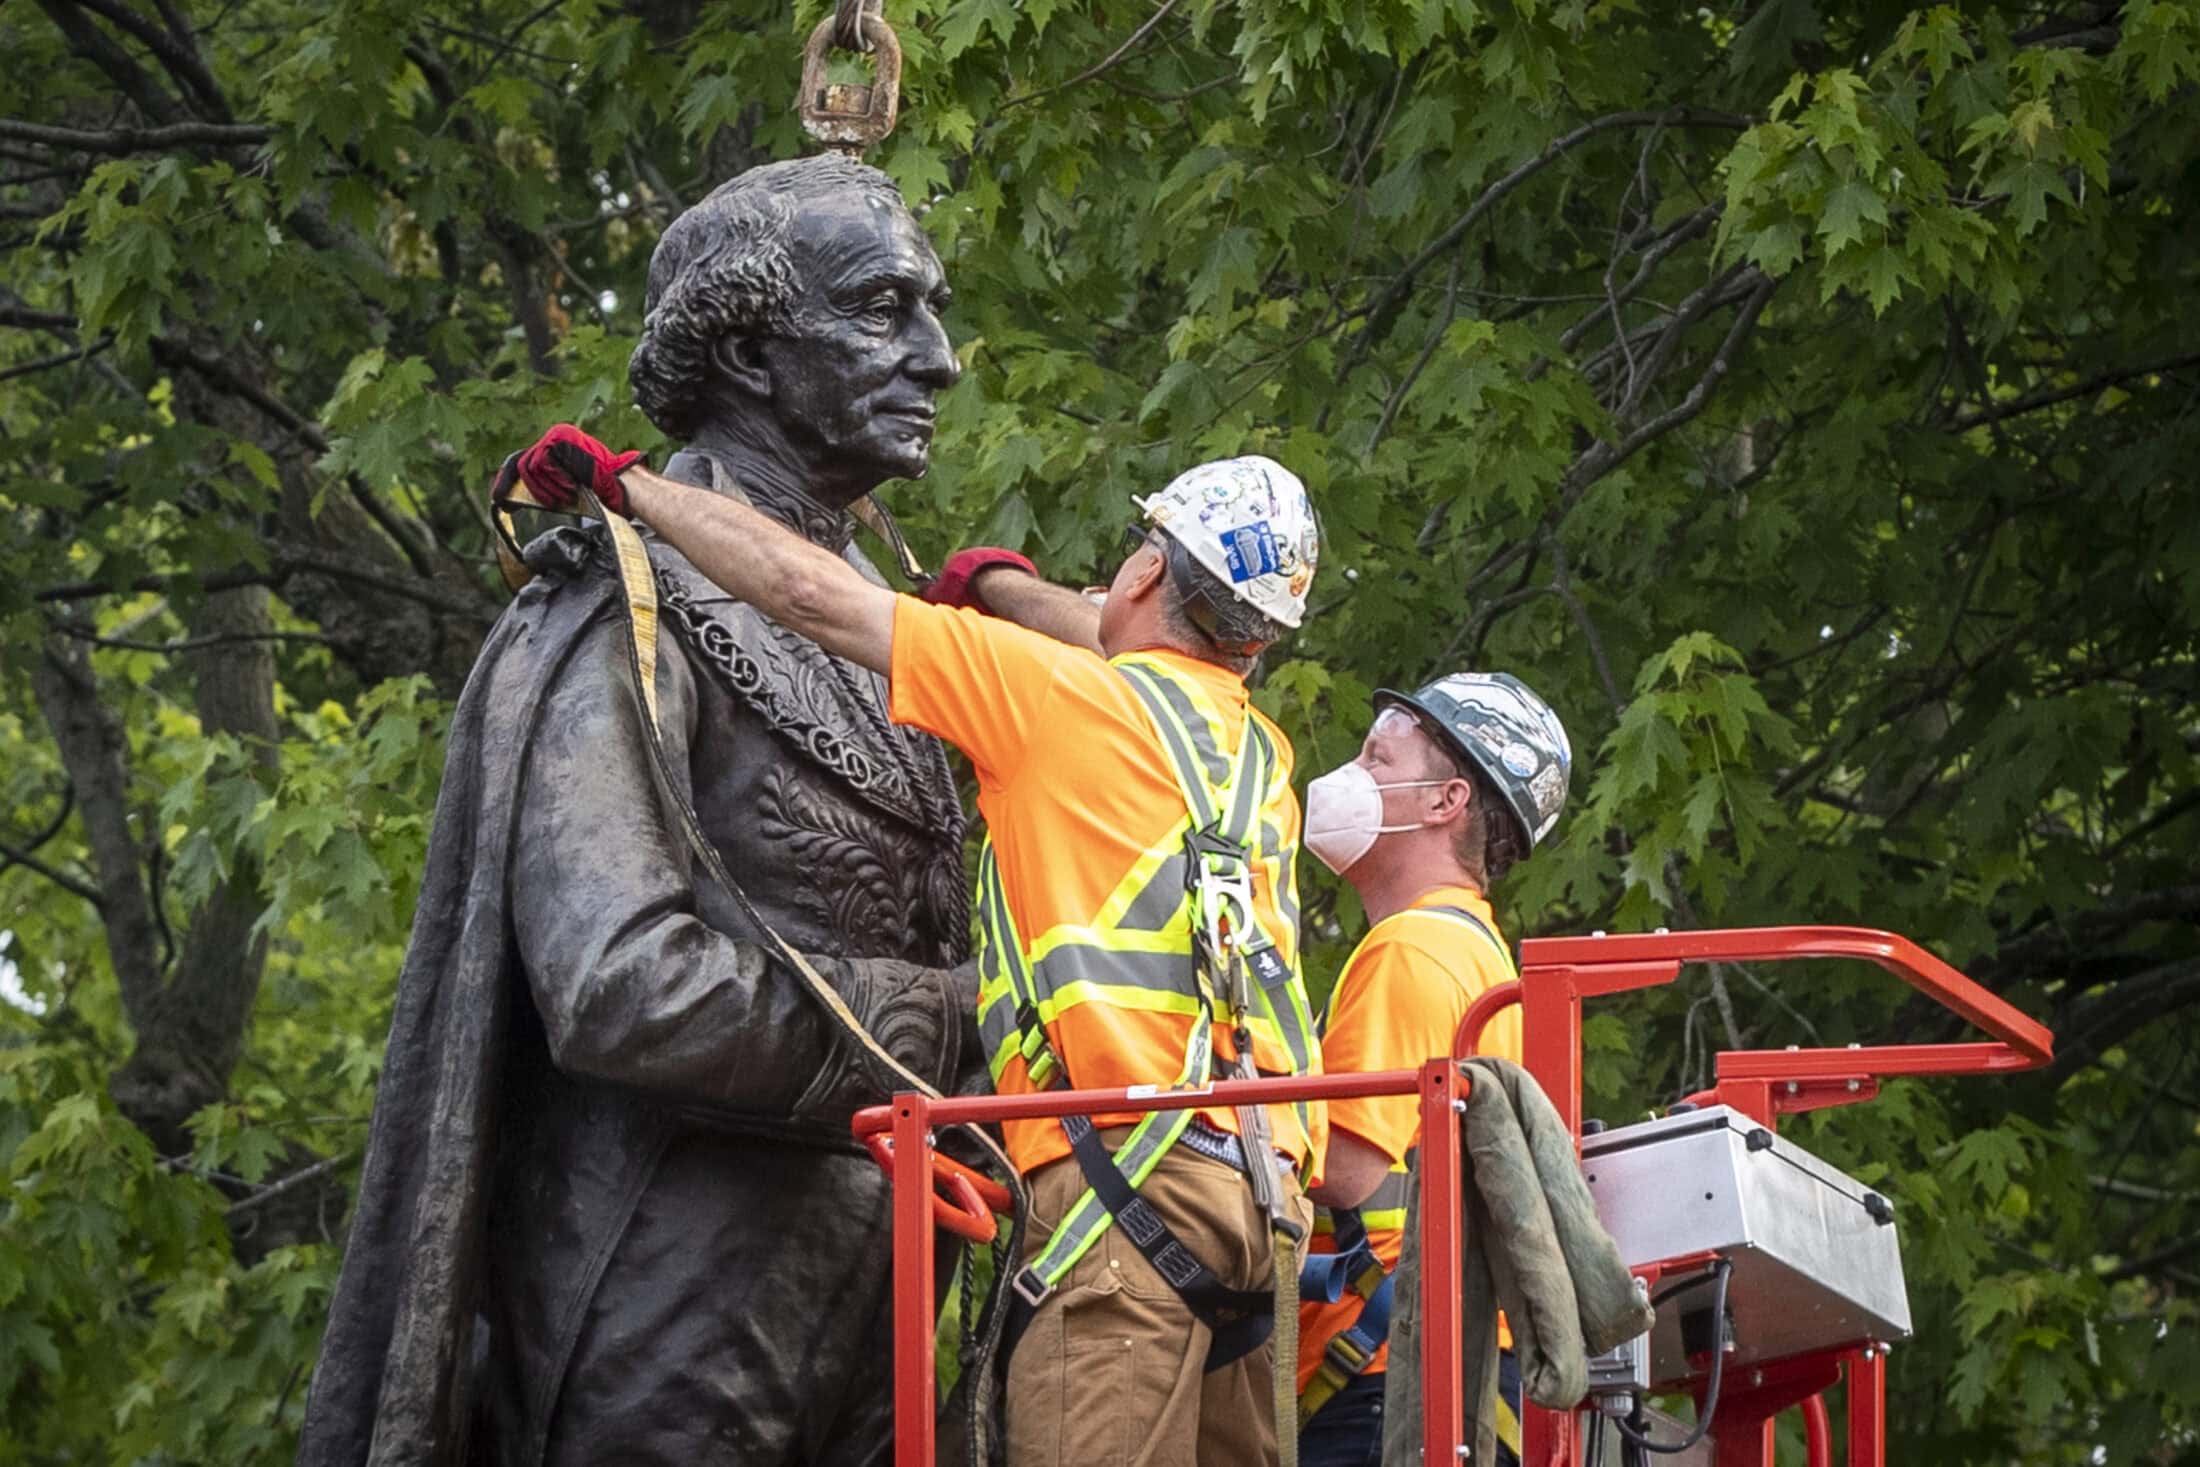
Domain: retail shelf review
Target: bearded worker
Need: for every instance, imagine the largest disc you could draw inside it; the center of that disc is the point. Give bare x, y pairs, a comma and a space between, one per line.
610, 1212
1453, 785
1138, 898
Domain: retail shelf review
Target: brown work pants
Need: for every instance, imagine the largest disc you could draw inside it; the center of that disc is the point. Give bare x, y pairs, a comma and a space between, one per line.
1112, 1371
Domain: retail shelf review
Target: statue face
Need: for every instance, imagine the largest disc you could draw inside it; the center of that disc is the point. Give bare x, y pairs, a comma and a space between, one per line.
853, 381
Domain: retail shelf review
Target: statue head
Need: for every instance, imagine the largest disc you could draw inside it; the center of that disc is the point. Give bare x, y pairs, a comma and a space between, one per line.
794, 315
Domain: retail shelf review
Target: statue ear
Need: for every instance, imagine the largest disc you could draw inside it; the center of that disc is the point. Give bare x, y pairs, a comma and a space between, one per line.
741, 358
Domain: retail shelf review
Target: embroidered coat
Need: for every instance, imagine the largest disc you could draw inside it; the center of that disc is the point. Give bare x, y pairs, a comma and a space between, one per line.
609, 1209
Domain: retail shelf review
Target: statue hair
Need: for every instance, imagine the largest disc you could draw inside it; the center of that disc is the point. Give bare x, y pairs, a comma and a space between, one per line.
727, 266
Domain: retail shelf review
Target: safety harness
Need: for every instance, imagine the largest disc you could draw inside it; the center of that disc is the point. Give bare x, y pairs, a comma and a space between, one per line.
1355, 1267
1229, 953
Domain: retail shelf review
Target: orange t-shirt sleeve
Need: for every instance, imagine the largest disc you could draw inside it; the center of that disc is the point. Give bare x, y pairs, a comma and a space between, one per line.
1395, 1009
974, 680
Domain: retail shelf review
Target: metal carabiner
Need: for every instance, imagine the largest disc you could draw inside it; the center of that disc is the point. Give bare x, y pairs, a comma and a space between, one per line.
973, 1198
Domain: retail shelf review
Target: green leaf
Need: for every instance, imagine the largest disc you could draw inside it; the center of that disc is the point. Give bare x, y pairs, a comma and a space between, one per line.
1848, 209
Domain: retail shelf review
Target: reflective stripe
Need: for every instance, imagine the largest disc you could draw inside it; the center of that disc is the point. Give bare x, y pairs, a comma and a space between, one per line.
1015, 998
1136, 952
1161, 901
1389, 1196
1153, 681
1147, 1143
1256, 785
1384, 1209
1283, 873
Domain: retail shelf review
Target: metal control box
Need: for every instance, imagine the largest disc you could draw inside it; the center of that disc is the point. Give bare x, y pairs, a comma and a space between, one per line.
1816, 1264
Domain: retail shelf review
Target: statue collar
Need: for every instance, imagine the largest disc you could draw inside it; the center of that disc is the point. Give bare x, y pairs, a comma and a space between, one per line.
835, 529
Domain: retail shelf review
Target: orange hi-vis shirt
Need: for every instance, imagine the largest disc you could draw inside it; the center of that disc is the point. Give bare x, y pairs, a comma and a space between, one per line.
1396, 1006
1077, 792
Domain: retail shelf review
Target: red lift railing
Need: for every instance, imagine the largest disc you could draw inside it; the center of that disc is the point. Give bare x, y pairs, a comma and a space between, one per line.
1556, 974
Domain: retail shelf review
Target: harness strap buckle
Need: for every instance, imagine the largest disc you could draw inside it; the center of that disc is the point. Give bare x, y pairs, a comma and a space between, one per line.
1029, 1287
1347, 1354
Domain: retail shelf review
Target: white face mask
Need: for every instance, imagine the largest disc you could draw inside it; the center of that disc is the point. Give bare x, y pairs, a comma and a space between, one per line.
1344, 814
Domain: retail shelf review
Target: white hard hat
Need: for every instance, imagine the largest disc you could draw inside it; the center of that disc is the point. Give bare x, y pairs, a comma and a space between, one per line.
1249, 522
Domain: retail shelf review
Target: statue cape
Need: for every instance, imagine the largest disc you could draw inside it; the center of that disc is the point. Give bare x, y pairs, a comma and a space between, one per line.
391, 1385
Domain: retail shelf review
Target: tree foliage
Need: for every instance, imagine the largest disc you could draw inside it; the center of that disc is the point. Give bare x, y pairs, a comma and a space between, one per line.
1802, 397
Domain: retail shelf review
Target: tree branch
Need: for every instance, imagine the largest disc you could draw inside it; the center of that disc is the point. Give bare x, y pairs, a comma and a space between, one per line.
1562, 586
2058, 936
1140, 34
158, 581
1604, 456
2147, 1263
219, 374
282, 566
2086, 388
177, 56
172, 352
58, 359
191, 644
189, 1035
290, 1183
1682, 231
23, 855
12, 856
1420, 363
121, 142
1490, 197
96, 756
2100, 1025
130, 80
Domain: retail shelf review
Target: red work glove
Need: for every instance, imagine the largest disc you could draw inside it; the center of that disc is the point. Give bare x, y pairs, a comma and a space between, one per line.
565, 460
953, 585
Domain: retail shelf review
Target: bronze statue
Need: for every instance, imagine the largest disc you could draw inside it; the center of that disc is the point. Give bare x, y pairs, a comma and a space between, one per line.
609, 1212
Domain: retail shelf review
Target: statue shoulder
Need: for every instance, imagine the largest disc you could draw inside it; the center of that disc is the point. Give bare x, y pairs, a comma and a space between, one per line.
831, 712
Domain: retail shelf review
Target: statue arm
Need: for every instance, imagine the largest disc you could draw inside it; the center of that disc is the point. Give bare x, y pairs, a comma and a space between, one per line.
754, 559
1051, 610
633, 987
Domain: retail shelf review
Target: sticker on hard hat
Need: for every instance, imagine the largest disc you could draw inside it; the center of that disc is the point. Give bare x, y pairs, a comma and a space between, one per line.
1249, 551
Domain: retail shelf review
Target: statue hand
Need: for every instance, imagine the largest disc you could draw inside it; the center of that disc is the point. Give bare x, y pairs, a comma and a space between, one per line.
956, 582
565, 460
914, 1012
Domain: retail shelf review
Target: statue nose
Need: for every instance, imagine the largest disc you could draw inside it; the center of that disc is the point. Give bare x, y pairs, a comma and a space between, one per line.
932, 361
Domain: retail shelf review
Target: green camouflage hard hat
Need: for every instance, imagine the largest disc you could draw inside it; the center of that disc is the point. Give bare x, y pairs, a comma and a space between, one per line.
1498, 723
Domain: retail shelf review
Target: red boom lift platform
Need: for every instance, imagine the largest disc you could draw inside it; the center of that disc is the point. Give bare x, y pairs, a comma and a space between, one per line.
1556, 974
